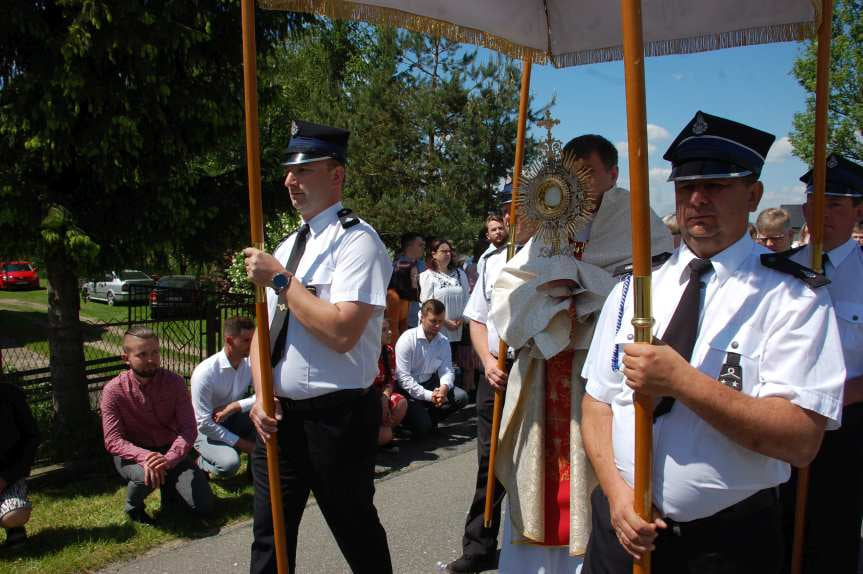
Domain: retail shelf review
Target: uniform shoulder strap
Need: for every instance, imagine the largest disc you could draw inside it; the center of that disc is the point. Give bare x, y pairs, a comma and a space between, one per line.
347, 218
655, 261
780, 262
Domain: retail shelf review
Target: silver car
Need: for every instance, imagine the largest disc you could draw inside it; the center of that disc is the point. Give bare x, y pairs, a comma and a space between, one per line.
118, 287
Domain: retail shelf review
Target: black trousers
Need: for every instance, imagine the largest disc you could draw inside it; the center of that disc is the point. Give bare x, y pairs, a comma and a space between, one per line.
479, 540
327, 448
743, 539
834, 506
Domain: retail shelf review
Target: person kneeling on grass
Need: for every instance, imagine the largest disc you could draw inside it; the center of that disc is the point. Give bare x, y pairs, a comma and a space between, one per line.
19, 438
219, 387
149, 428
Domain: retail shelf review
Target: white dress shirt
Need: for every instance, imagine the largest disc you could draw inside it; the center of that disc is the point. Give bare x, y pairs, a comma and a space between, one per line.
418, 359
786, 336
342, 265
479, 303
844, 268
215, 383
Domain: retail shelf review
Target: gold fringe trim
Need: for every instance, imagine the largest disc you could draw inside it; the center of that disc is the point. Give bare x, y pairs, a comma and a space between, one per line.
380, 16
376, 15
748, 37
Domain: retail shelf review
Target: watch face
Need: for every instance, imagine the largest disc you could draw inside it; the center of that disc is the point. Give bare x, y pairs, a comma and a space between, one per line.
280, 282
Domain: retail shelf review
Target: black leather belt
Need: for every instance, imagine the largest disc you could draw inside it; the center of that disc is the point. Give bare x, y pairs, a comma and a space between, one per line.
323, 402
761, 500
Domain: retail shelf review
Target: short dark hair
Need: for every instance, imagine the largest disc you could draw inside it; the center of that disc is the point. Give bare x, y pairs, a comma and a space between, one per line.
432, 306
140, 332
583, 146
237, 324
406, 238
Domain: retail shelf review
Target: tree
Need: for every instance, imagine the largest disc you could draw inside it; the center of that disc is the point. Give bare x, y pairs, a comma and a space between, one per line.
845, 109
107, 113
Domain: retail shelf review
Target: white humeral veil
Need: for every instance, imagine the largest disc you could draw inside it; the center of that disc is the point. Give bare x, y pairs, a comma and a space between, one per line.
534, 319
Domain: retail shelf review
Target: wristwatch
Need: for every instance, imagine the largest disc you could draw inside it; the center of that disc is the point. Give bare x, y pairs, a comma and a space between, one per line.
281, 281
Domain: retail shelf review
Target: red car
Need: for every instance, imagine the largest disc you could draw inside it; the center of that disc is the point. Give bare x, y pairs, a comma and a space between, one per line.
18, 275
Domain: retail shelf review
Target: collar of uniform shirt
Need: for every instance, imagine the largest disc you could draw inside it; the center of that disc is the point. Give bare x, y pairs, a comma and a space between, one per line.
838, 254
320, 222
725, 263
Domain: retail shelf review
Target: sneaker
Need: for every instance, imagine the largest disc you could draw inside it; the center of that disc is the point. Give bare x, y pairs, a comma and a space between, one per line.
15, 537
472, 564
140, 515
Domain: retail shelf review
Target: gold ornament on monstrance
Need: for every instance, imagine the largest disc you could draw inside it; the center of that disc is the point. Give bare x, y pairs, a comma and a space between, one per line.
556, 195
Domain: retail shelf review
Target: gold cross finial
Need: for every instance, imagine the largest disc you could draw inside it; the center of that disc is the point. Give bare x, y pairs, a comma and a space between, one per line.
548, 123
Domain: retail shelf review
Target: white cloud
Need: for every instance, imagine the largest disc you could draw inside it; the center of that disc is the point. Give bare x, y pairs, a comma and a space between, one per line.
623, 150
780, 150
655, 132
659, 174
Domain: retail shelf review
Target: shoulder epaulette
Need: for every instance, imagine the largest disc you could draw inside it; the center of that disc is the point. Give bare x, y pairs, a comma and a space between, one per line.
347, 217
780, 262
655, 261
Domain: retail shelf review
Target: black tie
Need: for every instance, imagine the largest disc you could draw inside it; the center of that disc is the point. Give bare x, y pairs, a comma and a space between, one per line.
279, 326
825, 259
682, 330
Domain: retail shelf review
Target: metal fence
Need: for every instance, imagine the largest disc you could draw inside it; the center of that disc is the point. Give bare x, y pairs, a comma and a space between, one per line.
188, 333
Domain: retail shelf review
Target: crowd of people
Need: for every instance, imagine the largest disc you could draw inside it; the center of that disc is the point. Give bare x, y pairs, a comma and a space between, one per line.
755, 357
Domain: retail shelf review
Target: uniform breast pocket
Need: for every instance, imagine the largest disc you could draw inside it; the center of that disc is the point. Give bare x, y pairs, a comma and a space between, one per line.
734, 362
320, 282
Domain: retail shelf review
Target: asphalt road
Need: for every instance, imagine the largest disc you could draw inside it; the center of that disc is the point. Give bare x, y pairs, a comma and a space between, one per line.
422, 527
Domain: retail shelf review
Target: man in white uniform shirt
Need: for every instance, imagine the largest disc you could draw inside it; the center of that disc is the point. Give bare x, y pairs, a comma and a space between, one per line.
219, 387
835, 503
329, 282
479, 544
425, 374
748, 378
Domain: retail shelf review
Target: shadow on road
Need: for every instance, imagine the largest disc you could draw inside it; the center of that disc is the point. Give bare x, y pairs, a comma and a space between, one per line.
452, 437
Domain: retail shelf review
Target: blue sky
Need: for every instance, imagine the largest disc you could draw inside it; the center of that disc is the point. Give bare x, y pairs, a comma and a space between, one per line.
752, 85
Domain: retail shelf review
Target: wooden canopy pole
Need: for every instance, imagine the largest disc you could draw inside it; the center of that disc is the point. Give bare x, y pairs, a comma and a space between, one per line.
524, 96
636, 124
253, 167
822, 96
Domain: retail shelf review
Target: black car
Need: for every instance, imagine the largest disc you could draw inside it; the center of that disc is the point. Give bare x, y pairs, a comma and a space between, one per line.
176, 296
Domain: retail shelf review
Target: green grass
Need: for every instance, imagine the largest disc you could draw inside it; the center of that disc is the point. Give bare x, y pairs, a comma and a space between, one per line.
81, 526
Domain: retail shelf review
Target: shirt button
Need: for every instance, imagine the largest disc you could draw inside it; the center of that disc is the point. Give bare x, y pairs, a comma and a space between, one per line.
629, 336
855, 317
734, 344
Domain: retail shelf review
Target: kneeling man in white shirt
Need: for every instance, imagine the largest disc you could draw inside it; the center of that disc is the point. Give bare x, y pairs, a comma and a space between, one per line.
425, 374
219, 386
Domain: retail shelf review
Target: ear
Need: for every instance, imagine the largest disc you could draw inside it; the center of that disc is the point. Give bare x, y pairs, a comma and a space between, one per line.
338, 174
125, 357
756, 190
615, 171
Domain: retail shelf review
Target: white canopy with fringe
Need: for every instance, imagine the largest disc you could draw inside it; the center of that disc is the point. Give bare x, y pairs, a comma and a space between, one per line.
575, 32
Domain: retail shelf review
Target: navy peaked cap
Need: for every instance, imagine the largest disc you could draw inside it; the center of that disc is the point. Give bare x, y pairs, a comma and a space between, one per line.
505, 194
844, 177
710, 147
315, 142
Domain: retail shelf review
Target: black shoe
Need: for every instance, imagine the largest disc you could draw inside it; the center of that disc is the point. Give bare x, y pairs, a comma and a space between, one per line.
140, 515
472, 564
15, 537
